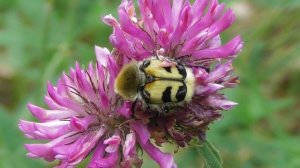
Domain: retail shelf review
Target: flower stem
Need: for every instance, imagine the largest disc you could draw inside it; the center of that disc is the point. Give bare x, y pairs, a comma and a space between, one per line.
210, 154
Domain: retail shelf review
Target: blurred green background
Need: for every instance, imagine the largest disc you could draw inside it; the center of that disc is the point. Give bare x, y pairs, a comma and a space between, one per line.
39, 39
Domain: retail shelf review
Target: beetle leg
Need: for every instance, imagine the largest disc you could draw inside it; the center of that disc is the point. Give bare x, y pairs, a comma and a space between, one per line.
165, 109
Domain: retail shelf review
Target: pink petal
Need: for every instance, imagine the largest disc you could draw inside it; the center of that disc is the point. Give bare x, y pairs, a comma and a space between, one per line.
181, 27
97, 155
63, 101
80, 148
220, 103
225, 51
46, 115
84, 85
110, 20
198, 9
113, 72
110, 161
125, 110
104, 100
163, 159
112, 143
47, 130
45, 150
102, 55
176, 10
129, 27
129, 146
161, 12
222, 24
81, 124
220, 72
52, 105
209, 89
141, 130
214, 42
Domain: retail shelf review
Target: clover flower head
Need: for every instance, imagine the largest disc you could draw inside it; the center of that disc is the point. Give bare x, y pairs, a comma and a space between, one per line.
188, 33
86, 118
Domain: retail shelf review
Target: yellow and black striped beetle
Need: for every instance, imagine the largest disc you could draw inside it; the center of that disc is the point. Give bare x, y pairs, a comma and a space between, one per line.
156, 82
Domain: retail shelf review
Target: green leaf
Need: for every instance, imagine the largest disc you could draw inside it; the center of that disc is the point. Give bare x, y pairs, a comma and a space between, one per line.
210, 154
